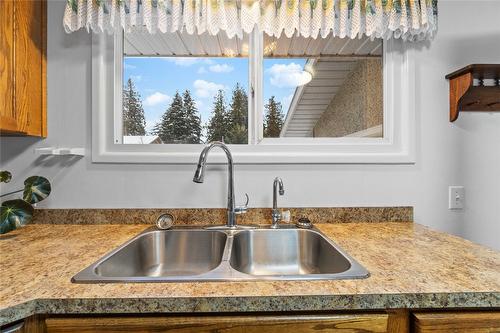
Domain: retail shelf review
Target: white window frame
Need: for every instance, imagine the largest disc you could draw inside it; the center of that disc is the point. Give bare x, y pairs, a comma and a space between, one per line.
396, 147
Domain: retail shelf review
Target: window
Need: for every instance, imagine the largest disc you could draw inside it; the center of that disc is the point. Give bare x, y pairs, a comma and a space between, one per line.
180, 89
185, 100
282, 78
322, 88
276, 100
323, 97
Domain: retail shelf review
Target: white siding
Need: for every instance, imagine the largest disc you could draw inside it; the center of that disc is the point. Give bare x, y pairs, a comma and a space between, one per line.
310, 101
181, 44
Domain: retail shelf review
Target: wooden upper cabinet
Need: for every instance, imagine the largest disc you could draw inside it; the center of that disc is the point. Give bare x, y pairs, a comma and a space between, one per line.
23, 93
7, 116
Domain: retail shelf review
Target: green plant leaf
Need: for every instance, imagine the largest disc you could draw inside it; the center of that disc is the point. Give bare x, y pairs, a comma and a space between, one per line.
13, 214
5, 176
36, 189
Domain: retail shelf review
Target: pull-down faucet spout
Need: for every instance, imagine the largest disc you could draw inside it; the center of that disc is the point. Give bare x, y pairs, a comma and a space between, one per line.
199, 174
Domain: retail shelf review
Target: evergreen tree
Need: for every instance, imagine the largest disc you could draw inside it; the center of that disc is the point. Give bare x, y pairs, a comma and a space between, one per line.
237, 135
273, 119
238, 117
134, 122
172, 126
192, 119
217, 126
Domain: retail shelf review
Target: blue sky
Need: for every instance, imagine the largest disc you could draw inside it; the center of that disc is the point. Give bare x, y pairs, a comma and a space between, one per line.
158, 78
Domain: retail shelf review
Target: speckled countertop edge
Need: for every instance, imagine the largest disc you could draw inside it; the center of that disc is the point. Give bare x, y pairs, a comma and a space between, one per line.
250, 304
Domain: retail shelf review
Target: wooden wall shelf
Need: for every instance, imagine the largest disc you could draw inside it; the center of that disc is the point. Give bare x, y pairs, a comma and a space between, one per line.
468, 91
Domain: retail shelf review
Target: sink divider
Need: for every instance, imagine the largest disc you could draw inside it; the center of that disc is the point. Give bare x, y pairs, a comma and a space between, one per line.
227, 251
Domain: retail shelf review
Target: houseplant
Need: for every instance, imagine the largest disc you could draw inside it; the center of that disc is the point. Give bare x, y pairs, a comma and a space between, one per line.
18, 212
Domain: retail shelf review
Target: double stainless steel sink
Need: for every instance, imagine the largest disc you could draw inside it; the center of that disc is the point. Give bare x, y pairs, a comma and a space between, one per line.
185, 254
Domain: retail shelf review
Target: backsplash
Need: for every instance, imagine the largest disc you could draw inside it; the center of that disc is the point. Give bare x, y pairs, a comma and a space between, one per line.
216, 216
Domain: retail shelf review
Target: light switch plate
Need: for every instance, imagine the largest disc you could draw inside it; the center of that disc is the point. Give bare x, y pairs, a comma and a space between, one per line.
456, 197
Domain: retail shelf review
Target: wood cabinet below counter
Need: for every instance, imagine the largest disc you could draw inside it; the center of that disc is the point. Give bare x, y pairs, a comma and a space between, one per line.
457, 322
376, 323
390, 321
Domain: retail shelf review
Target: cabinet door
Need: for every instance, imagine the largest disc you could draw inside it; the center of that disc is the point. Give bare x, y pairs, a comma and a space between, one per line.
457, 322
8, 120
227, 324
29, 69
23, 67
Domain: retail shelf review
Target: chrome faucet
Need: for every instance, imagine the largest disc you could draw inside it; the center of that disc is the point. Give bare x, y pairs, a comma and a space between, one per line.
199, 174
276, 214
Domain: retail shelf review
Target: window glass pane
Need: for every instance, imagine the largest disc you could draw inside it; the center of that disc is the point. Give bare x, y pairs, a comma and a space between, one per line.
322, 88
281, 79
183, 89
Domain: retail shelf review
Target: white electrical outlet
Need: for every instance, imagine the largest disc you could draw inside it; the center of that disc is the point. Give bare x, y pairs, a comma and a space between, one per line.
456, 197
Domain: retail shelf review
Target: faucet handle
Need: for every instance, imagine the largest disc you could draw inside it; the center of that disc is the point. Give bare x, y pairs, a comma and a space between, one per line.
242, 209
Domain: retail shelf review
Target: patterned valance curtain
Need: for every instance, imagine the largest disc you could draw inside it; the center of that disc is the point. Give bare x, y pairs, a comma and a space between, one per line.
407, 19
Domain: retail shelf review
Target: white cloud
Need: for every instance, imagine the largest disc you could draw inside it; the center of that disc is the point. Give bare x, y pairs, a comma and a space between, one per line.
287, 76
202, 70
129, 66
221, 68
205, 89
156, 99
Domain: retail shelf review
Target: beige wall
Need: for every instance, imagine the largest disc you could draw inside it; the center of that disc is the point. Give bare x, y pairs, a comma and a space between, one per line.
357, 105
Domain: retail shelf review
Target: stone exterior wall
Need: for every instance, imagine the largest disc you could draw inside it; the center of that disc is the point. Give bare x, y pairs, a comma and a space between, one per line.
357, 105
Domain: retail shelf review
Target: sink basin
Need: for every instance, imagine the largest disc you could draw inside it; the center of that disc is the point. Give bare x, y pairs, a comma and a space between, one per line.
159, 254
185, 254
285, 252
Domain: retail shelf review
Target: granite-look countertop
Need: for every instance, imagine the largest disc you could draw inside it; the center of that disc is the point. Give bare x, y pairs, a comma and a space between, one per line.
411, 266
